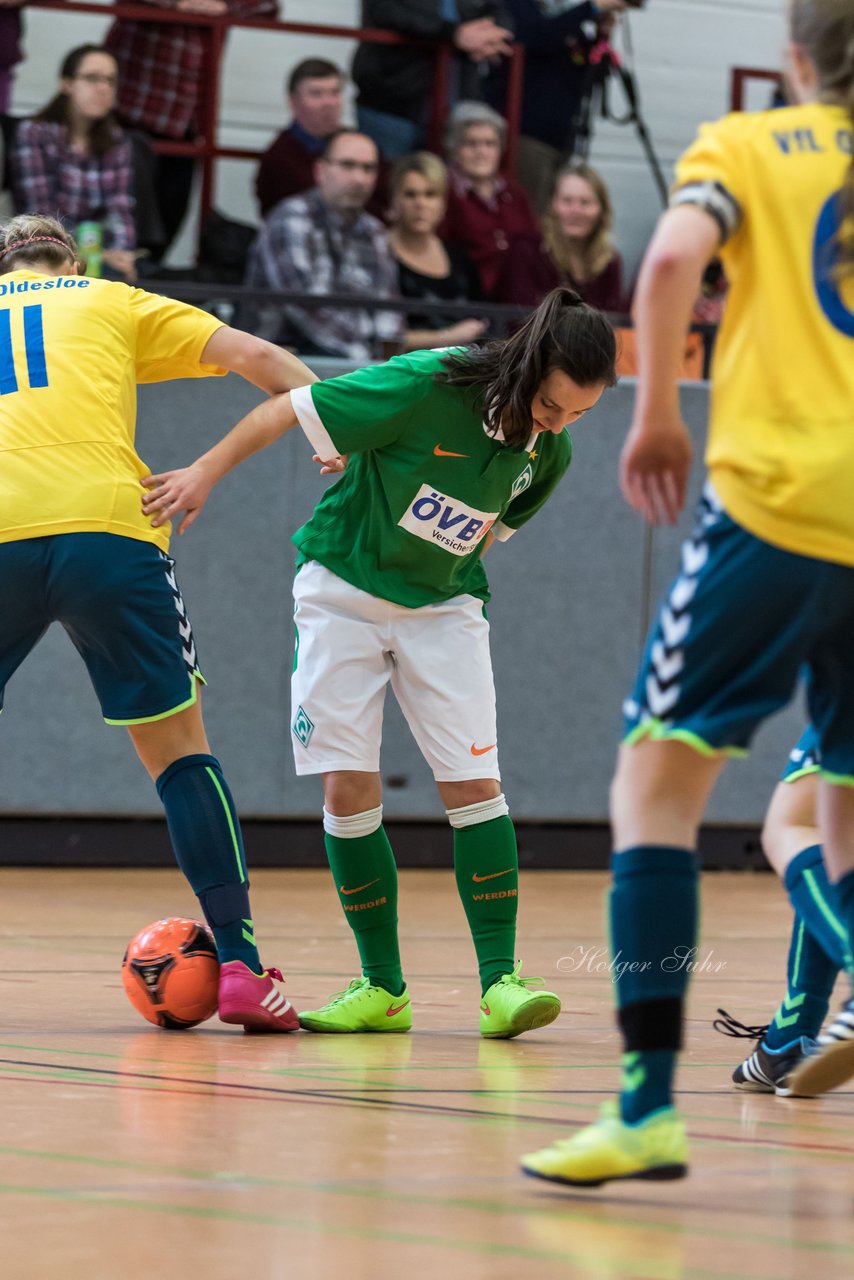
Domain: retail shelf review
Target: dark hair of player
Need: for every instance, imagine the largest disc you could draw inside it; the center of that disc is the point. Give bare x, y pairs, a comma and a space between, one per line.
563, 333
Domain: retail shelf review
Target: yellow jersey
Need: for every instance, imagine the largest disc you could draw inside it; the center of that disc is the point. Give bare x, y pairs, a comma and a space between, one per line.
72, 351
781, 435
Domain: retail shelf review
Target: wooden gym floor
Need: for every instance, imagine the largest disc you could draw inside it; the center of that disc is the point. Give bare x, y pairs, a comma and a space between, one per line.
128, 1152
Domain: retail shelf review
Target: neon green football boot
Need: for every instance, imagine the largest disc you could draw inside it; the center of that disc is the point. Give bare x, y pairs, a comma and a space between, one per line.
655, 1149
361, 1007
508, 1008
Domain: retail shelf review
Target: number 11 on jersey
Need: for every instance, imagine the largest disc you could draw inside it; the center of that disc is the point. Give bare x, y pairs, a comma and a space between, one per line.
33, 345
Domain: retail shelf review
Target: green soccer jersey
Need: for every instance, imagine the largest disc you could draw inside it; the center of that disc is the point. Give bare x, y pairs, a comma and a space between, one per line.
424, 485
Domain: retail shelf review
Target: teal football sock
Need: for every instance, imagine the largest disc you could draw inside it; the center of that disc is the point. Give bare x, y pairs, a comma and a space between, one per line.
810, 978
654, 921
205, 832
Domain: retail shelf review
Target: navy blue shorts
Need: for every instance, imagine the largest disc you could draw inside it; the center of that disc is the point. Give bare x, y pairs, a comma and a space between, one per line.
118, 600
803, 757
738, 625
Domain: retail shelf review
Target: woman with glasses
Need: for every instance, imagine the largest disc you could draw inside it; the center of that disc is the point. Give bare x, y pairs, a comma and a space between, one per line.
72, 159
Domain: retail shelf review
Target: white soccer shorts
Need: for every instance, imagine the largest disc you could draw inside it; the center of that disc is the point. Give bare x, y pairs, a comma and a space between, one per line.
350, 645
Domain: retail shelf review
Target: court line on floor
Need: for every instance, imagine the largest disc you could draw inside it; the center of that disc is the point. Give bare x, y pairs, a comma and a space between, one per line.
224, 1180
108, 1078
558, 1097
324, 1227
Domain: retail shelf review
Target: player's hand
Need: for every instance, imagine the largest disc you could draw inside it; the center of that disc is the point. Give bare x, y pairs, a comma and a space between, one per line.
184, 490
654, 467
333, 465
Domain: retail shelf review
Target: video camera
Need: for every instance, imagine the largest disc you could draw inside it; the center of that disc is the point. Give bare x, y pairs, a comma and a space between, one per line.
604, 65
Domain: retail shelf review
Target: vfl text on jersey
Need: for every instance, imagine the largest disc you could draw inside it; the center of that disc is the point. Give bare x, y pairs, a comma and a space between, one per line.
446, 521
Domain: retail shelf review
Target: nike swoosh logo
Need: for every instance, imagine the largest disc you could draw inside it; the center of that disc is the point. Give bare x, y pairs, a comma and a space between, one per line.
443, 453
395, 1008
360, 887
485, 1009
493, 876
481, 751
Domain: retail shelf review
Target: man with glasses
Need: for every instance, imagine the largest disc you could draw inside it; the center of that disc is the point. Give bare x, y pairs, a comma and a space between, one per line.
324, 242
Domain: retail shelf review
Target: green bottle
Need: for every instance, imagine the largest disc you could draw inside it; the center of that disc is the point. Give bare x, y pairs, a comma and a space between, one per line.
90, 241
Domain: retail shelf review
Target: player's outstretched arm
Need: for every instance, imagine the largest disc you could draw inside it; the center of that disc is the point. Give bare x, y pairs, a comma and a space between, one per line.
262, 363
267, 366
187, 489
656, 458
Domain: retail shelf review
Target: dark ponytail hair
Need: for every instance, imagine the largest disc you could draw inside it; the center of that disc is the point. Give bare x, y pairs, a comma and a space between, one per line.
104, 134
563, 333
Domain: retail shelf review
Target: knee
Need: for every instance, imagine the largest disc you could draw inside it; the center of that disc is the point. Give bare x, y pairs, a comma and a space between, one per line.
658, 794
769, 837
346, 794
625, 794
459, 795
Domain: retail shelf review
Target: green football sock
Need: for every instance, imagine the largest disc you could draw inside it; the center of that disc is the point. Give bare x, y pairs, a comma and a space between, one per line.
486, 864
362, 864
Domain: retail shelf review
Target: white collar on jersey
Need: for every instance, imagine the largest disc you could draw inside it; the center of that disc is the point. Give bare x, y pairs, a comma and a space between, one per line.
499, 436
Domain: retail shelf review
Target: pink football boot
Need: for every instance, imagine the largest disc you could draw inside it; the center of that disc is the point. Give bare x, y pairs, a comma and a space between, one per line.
254, 1001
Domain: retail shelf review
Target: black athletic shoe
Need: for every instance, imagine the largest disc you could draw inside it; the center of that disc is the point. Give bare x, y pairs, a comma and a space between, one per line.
832, 1061
763, 1071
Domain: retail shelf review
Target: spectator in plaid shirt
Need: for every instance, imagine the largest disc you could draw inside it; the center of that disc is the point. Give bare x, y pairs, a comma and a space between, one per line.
324, 242
73, 161
160, 73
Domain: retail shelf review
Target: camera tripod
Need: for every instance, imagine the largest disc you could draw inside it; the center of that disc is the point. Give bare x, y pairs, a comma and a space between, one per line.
595, 101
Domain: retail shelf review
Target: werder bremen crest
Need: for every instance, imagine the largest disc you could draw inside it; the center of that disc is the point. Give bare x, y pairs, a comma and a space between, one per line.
522, 482
303, 727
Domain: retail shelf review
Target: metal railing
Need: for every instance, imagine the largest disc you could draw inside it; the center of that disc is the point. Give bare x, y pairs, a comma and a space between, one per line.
503, 317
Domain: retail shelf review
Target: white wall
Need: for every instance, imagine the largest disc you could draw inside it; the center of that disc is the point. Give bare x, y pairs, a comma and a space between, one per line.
683, 52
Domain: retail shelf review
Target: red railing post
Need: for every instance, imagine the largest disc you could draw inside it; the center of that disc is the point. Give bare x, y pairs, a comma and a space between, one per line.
441, 95
515, 85
739, 77
209, 122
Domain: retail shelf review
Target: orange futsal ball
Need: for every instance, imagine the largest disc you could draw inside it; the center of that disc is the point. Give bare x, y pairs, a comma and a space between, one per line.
170, 972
